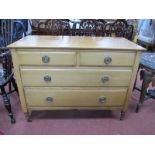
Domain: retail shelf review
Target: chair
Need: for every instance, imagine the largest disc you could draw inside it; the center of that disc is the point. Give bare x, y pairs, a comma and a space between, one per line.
119, 28
66, 28
100, 27
146, 34
129, 32
18, 30
34, 26
146, 38
55, 27
107, 31
147, 75
11, 35
6, 70
11, 31
6, 77
41, 29
88, 27
51, 27
75, 27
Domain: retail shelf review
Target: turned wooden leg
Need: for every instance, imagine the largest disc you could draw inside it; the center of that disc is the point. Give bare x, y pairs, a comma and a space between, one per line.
122, 115
136, 79
10, 88
147, 78
7, 104
29, 119
28, 116
14, 85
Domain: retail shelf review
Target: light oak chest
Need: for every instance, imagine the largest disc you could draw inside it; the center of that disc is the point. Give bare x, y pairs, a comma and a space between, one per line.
64, 72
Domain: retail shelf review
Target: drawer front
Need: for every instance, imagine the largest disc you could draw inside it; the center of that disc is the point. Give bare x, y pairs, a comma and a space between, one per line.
75, 77
106, 59
47, 58
48, 97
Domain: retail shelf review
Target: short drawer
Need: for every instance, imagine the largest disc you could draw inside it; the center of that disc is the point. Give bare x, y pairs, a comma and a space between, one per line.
47, 97
45, 76
47, 58
106, 59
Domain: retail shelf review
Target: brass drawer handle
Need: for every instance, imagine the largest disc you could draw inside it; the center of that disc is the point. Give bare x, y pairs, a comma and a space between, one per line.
47, 78
49, 99
102, 99
105, 79
107, 60
45, 59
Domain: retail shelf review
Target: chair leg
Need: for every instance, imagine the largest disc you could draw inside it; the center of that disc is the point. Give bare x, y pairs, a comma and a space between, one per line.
147, 77
7, 104
14, 85
136, 79
10, 86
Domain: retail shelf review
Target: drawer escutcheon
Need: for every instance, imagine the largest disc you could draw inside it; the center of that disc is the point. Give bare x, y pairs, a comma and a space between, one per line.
49, 99
102, 99
107, 60
105, 79
45, 59
47, 78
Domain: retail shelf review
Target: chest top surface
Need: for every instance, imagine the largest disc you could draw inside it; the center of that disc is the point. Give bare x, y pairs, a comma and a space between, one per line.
75, 42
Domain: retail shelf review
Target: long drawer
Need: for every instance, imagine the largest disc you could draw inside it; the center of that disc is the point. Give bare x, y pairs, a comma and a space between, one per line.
47, 97
107, 58
47, 58
46, 76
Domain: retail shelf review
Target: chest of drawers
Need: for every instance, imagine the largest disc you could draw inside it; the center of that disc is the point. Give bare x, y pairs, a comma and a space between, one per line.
64, 72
